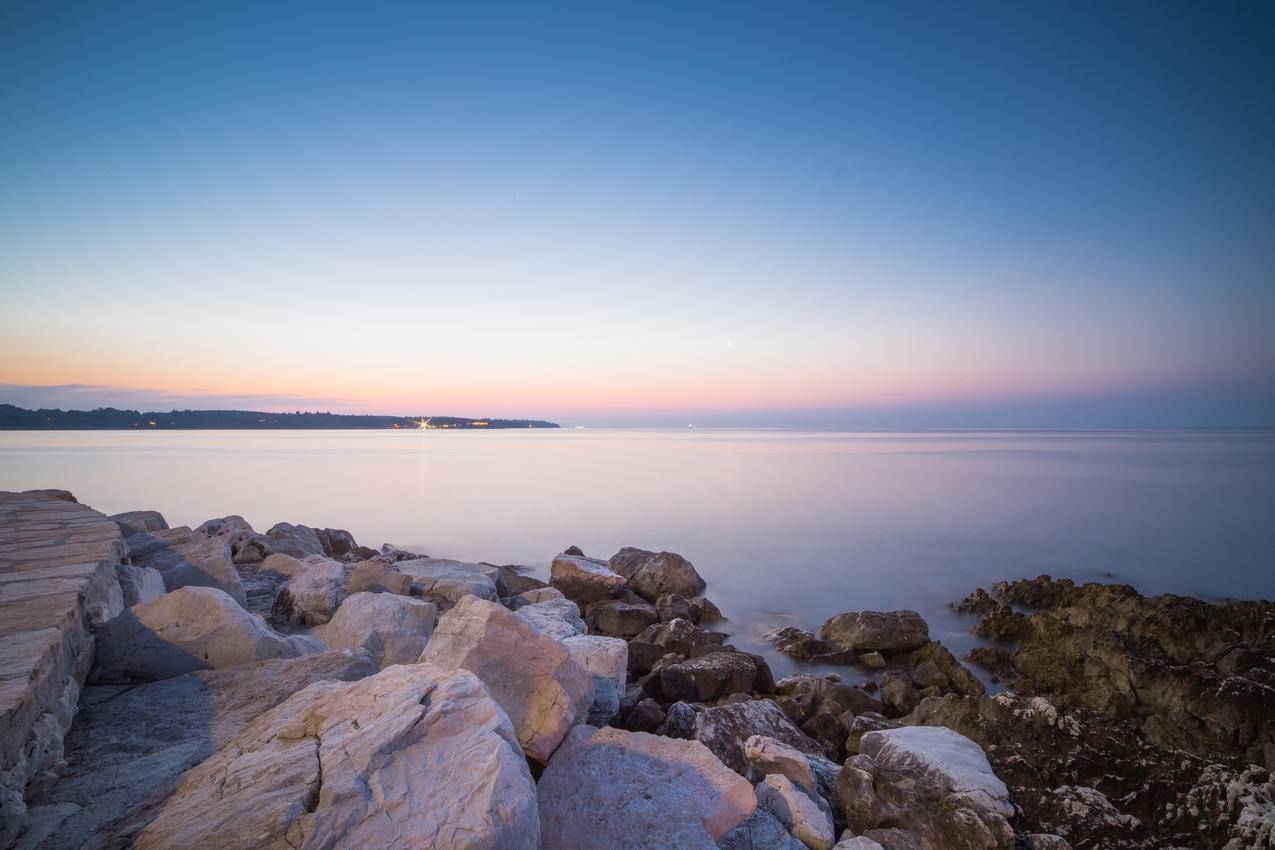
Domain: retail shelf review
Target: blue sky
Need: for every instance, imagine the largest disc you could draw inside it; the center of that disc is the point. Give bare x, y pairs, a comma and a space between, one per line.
887, 213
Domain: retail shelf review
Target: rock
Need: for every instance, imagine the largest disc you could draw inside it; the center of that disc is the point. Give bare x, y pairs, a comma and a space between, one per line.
284, 566
532, 596
235, 532
446, 582
295, 540
703, 611
620, 619
394, 554
129, 747
377, 577
510, 581
761, 831
672, 607
187, 559
612, 788
767, 755
857, 842
715, 675
864, 723
725, 728
345, 765
1038, 841
873, 661
898, 694
533, 677
804, 697
583, 580
679, 636
646, 716
1080, 810
931, 783
655, 574
606, 659
311, 597
557, 618
679, 721
139, 584
797, 811
336, 542
393, 628
874, 631
797, 643
131, 522
934, 666
192, 628
995, 660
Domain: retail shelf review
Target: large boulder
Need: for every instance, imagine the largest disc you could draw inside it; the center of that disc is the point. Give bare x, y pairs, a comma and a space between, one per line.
617, 618
607, 661
394, 628
446, 582
131, 522
725, 728
415, 756
128, 748
139, 584
295, 540
655, 574
583, 580
557, 618
192, 628
311, 597
336, 542
378, 577
929, 781
533, 677
714, 675
876, 631
798, 811
232, 530
766, 756
612, 788
187, 558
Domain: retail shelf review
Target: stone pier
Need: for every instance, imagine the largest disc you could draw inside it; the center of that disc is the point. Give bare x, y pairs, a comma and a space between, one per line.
58, 578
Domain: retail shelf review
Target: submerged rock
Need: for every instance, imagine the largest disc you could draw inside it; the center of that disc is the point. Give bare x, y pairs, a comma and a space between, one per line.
356, 765
612, 788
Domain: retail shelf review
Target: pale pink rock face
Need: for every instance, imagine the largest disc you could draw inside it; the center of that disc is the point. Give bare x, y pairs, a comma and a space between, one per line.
395, 628
367, 764
533, 677
612, 788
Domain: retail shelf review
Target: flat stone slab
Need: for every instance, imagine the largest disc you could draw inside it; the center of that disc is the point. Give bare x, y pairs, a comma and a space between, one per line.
58, 579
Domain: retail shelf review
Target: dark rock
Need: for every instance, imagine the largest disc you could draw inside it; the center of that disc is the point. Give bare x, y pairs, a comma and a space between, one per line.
712, 676
762, 831
797, 642
723, 729
704, 611
679, 721
827, 729
511, 581
574, 550
899, 695
654, 574
336, 542
875, 631
647, 716
995, 660
619, 619
869, 721
672, 606
680, 636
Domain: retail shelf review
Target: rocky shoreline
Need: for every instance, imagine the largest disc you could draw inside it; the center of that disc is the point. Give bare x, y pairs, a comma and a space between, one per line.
291, 688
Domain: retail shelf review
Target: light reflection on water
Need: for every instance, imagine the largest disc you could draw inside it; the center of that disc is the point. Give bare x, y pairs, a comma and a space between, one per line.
788, 527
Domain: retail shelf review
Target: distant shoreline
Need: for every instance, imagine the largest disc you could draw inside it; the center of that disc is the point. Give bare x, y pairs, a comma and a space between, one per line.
13, 418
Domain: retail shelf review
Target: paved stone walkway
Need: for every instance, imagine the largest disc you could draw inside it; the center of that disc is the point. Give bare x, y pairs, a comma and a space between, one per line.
57, 579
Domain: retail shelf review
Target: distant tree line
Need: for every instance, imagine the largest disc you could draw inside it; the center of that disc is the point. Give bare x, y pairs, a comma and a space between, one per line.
18, 418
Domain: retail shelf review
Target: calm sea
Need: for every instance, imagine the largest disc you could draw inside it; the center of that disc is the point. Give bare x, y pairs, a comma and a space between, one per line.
788, 527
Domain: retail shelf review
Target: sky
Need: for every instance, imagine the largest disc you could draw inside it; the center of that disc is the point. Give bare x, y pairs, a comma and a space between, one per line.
826, 214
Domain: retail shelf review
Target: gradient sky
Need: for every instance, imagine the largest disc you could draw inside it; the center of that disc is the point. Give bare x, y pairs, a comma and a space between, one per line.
736, 213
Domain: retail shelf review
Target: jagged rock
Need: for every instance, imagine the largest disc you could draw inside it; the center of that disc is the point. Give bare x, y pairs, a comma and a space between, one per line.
532, 596
679, 636
235, 532
394, 554
766, 756
932, 783
583, 580
797, 642
394, 628
672, 606
725, 728
1038, 841
717, 674
824, 708
761, 831
875, 631
557, 618
510, 581
857, 842
703, 611
129, 747
655, 574
899, 695
995, 660
679, 721
872, 661
933, 665
797, 811
377, 577
606, 659
139, 584
864, 723
193, 628
446, 582
131, 522
1072, 809
295, 540
311, 597
646, 716
612, 788
345, 765
336, 542
187, 559
620, 619
533, 677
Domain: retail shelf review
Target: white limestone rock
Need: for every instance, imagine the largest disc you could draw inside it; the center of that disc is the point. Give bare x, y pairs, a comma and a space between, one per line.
187, 558
131, 522
557, 618
192, 628
857, 842
607, 661
945, 758
415, 756
139, 584
533, 677
582, 579
767, 755
447, 582
232, 530
611, 788
394, 628
310, 597
761, 831
809, 823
